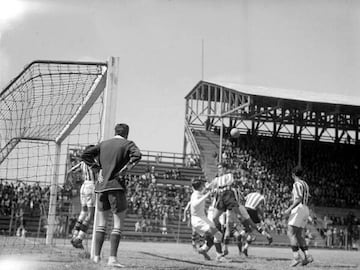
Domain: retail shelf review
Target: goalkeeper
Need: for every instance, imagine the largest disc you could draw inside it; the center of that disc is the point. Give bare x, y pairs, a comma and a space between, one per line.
116, 156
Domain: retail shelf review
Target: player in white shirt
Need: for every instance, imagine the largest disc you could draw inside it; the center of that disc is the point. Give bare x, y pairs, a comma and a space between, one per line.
201, 224
299, 216
195, 237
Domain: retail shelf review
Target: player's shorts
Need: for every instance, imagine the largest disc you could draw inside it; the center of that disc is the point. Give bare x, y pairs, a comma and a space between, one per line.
299, 216
210, 212
201, 224
222, 218
244, 214
114, 200
254, 215
226, 200
87, 194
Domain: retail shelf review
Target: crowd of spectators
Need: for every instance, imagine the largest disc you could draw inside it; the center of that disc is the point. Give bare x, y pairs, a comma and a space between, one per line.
155, 204
16, 195
25, 200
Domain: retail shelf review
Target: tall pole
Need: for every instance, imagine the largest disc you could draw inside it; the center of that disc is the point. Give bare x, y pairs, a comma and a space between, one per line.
299, 152
202, 59
221, 139
222, 124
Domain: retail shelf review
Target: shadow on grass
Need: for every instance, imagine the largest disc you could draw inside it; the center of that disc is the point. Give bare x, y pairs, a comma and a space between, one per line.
215, 265
277, 259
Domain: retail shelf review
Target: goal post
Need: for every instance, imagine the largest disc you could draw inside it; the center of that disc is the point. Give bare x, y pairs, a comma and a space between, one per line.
47, 107
109, 119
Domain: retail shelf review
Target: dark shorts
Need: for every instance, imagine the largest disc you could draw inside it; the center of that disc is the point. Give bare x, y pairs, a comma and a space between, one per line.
114, 200
294, 231
253, 215
226, 200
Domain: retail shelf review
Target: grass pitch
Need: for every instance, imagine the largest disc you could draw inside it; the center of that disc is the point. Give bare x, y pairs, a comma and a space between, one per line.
28, 255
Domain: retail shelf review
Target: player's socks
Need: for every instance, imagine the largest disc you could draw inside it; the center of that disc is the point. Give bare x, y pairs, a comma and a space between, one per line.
99, 239
239, 243
115, 237
81, 235
226, 244
297, 260
226, 250
245, 248
77, 228
218, 248
308, 258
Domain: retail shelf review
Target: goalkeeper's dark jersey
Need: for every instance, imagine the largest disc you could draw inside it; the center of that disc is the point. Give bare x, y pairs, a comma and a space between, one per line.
114, 154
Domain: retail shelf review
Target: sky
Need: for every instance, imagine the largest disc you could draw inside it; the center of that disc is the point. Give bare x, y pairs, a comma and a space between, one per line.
300, 45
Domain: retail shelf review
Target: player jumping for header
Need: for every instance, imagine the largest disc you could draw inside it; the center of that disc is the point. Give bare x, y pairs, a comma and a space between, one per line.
201, 224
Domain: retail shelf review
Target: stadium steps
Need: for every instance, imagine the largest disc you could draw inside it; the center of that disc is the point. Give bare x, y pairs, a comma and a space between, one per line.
161, 168
208, 143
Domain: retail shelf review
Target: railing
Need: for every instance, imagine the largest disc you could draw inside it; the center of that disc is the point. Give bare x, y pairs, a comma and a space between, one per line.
192, 140
166, 157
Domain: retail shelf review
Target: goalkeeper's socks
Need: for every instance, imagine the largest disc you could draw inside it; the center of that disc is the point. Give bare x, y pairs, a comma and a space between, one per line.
115, 237
99, 239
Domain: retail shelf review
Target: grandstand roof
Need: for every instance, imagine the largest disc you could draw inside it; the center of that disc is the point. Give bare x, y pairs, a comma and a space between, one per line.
274, 111
268, 96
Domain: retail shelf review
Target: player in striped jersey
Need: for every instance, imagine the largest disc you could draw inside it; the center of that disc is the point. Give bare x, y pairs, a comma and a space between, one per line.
233, 226
225, 198
299, 215
254, 205
87, 201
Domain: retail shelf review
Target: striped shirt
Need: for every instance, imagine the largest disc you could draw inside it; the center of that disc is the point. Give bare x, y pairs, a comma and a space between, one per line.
87, 173
253, 200
238, 195
301, 191
223, 181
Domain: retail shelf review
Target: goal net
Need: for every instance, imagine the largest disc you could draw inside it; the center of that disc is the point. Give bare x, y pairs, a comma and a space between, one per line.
48, 114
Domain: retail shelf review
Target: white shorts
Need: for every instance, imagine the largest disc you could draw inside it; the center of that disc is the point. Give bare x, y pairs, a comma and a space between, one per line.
201, 224
210, 212
299, 216
87, 194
